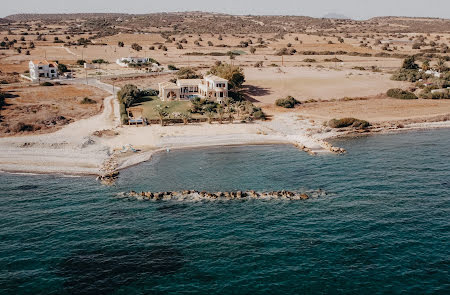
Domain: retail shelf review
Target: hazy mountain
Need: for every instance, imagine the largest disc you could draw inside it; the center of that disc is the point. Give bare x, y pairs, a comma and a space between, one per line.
335, 16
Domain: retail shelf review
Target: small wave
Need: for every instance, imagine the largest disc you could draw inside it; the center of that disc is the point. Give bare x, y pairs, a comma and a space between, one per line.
27, 187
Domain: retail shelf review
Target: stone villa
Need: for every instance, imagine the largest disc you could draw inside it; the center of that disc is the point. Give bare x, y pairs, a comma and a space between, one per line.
211, 87
43, 69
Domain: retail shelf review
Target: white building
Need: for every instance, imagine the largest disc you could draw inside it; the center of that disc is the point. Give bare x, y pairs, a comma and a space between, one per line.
144, 61
211, 87
43, 69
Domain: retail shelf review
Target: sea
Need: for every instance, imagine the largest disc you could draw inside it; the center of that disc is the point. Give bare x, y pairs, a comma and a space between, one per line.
382, 228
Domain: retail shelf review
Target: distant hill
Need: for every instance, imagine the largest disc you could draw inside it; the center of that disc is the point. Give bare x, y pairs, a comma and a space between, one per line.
204, 22
61, 16
4, 21
335, 16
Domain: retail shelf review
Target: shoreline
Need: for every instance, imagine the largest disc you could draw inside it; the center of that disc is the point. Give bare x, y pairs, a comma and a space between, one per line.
131, 160
74, 150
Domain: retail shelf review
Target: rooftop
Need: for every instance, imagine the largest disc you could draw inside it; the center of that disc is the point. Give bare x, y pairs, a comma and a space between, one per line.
215, 78
43, 62
189, 82
168, 85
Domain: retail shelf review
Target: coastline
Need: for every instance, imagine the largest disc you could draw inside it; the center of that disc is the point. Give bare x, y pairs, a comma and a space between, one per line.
132, 159
74, 150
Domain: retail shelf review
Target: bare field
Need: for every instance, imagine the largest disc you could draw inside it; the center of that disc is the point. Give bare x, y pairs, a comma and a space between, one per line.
268, 84
46, 109
376, 110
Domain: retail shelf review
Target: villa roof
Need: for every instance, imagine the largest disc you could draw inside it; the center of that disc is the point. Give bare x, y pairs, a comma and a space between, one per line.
43, 62
169, 85
189, 82
216, 79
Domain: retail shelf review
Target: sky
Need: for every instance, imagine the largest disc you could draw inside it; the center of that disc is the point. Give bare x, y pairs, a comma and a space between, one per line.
357, 9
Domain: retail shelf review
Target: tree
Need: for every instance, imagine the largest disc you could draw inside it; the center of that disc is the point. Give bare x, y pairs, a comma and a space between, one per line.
440, 65
234, 74
221, 113
229, 110
128, 94
210, 116
186, 117
426, 65
410, 63
62, 68
120, 44
188, 73
162, 113
136, 47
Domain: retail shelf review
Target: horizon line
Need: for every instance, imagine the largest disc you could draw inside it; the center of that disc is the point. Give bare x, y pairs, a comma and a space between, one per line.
222, 13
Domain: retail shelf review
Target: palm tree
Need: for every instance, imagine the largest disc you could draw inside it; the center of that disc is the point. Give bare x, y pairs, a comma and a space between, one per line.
162, 113
186, 117
239, 107
220, 112
440, 65
230, 112
210, 115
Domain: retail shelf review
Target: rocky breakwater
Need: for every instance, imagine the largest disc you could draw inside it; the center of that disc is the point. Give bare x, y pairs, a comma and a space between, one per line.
331, 148
192, 195
109, 172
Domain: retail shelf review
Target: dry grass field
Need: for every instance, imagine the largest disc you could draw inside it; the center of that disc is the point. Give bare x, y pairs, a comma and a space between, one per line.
45, 109
377, 110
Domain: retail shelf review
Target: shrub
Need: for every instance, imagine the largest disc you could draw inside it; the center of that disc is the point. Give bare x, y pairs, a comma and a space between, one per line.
2, 99
334, 59
410, 63
409, 75
136, 47
23, 127
172, 67
62, 68
88, 100
309, 60
347, 122
149, 92
288, 102
99, 61
400, 94
259, 115
46, 84
441, 95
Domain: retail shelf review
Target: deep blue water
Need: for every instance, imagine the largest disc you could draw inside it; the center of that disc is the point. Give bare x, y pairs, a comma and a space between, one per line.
385, 228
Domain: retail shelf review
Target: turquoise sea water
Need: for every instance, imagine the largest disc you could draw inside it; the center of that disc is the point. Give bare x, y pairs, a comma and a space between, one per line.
385, 228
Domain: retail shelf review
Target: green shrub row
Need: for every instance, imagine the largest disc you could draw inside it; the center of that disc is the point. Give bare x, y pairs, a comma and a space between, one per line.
400, 94
347, 122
